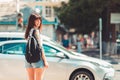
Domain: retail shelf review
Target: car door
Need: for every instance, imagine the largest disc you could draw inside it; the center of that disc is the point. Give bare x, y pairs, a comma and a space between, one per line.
12, 61
57, 66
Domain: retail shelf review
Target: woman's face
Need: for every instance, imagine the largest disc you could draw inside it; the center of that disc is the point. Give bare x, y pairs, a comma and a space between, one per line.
37, 23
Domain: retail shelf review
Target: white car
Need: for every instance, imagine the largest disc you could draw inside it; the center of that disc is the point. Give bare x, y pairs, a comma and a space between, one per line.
5, 36
63, 64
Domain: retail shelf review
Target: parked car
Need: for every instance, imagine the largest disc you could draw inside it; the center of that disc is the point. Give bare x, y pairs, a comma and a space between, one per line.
6, 36
63, 64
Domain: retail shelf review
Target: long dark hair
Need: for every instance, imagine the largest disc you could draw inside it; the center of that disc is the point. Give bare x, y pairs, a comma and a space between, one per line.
31, 23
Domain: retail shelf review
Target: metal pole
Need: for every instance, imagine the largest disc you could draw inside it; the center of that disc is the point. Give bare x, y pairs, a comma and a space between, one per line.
100, 33
17, 11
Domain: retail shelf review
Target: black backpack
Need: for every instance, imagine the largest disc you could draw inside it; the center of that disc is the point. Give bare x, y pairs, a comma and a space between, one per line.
33, 51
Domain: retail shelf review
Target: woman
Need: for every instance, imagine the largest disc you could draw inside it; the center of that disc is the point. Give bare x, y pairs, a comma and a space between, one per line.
37, 69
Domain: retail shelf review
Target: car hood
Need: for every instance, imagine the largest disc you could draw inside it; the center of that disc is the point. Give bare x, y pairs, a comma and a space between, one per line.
80, 56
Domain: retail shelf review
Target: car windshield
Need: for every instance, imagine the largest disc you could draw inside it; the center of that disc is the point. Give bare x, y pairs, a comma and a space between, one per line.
61, 47
13, 48
9, 38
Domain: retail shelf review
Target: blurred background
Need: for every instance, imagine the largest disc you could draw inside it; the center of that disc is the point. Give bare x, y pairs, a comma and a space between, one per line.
77, 25
87, 26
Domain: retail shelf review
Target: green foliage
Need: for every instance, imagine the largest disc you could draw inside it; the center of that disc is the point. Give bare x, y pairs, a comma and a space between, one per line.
82, 15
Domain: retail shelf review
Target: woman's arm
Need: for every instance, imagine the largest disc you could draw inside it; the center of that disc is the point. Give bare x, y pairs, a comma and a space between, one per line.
44, 58
37, 35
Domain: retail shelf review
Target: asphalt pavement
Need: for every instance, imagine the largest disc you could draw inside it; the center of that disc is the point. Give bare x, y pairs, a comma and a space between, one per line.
93, 52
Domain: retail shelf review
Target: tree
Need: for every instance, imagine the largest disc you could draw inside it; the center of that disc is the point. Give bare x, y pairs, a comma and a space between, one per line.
82, 15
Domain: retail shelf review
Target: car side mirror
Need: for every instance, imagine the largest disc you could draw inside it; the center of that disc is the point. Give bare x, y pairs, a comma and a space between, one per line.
60, 54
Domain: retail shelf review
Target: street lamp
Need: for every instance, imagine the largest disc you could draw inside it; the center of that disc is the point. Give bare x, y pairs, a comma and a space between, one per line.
100, 33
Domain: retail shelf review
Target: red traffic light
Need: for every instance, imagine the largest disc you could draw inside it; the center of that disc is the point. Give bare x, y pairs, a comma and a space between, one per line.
20, 20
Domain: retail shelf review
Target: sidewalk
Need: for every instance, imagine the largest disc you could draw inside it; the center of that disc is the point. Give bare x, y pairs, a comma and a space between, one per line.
113, 59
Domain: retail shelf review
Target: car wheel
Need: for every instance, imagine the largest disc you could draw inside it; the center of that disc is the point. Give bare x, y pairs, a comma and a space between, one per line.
82, 75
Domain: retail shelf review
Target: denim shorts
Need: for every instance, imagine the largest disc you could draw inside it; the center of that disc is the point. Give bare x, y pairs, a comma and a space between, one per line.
39, 64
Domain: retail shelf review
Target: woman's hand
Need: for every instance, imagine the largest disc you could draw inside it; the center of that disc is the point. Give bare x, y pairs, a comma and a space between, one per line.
46, 64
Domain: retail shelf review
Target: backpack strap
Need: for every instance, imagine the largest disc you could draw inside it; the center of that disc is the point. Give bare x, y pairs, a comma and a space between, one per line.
39, 41
31, 32
30, 37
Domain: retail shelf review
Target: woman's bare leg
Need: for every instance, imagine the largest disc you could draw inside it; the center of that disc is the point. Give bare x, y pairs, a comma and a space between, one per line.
39, 73
30, 72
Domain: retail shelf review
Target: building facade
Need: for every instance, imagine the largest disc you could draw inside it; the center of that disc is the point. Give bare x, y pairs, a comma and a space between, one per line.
9, 11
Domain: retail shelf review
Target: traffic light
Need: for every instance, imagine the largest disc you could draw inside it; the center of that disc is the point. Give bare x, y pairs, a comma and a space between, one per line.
20, 20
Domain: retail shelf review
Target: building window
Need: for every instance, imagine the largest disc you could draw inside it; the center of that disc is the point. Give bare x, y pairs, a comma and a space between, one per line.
54, 0
39, 0
48, 11
38, 9
47, 0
